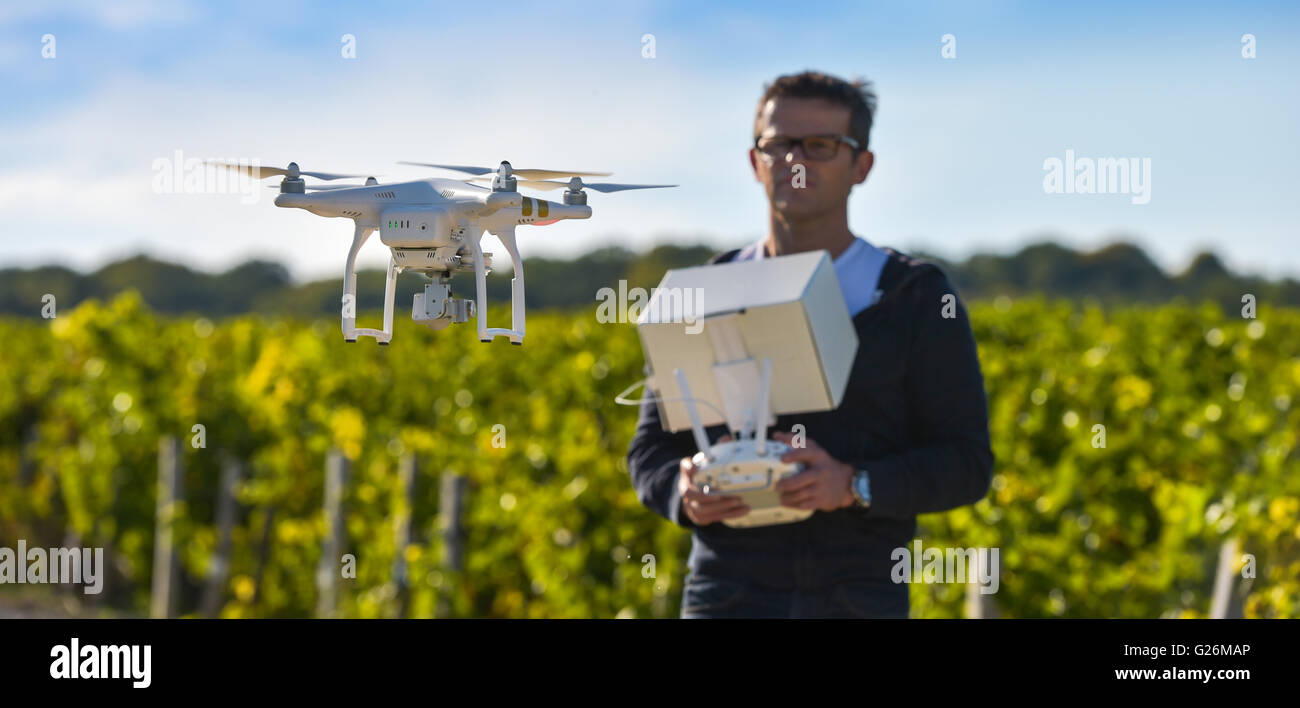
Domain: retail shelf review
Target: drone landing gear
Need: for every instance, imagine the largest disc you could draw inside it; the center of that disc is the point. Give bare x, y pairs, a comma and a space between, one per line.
516, 333
350, 331
436, 307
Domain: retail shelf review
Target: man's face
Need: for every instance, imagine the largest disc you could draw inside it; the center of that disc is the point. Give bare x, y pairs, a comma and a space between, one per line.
826, 185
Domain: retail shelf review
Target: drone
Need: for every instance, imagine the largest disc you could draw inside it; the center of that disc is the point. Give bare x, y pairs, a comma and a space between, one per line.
433, 226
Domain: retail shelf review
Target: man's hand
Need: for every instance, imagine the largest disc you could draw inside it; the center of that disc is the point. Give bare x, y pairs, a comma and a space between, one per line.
824, 483
704, 509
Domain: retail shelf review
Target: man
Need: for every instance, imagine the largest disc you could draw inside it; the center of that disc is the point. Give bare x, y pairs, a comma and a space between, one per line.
911, 433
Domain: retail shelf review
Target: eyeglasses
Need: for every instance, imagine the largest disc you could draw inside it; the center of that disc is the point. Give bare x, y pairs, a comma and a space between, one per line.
815, 147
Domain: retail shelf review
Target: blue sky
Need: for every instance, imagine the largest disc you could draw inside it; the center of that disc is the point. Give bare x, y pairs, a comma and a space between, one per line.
960, 143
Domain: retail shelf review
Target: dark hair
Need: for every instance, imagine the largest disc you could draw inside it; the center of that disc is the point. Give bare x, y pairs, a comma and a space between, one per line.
856, 96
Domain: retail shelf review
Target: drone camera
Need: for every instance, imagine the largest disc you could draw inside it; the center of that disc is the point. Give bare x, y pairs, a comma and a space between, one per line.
436, 307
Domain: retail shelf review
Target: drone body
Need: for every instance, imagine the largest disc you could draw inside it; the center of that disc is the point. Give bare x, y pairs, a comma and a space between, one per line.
434, 226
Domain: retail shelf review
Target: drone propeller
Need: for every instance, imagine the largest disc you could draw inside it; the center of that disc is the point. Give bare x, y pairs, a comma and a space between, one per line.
576, 184
510, 171
370, 182
291, 172
321, 187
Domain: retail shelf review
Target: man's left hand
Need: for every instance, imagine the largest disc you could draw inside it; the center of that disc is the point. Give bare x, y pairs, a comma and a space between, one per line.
823, 484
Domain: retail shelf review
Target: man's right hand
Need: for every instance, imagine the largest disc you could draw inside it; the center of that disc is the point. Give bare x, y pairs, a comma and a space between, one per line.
704, 509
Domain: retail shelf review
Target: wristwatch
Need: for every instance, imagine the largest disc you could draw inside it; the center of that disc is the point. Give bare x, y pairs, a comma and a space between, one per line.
861, 488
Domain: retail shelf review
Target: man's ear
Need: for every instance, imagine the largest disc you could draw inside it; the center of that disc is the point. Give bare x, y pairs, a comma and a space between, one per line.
753, 164
862, 166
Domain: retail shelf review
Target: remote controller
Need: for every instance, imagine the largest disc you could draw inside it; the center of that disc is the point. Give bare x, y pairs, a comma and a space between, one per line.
739, 469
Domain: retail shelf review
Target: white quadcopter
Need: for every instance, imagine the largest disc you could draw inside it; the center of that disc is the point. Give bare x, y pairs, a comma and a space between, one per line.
433, 226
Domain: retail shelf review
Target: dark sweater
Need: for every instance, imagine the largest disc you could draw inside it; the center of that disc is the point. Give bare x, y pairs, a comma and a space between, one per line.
914, 415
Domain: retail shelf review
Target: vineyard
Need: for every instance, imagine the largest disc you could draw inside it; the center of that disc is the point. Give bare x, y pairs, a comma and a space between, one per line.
1130, 445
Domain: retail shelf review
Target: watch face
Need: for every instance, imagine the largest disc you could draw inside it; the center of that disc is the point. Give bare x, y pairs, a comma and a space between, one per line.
860, 487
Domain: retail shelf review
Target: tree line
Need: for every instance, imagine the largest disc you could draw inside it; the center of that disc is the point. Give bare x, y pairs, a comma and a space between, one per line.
1120, 273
